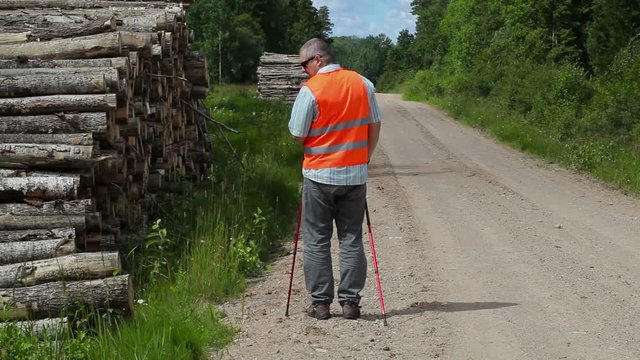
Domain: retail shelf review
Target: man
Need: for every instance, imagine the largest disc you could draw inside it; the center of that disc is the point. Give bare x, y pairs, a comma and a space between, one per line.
336, 118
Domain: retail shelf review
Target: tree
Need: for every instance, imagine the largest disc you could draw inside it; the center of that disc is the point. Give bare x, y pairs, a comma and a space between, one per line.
325, 22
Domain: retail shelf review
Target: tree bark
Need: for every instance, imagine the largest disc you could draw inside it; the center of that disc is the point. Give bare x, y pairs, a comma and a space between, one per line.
91, 46
57, 103
42, 187
33, 85
15, 252
38, 234
72, 77
56, 327
46, 155
80, 266
44, 29
120, 63
11, 222
54, 123
56, 207
54, 298
65, 139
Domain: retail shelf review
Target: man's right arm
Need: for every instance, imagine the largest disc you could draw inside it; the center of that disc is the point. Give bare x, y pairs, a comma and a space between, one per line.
302, 114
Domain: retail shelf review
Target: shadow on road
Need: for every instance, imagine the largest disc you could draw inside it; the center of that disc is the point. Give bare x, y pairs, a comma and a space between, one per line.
420, 307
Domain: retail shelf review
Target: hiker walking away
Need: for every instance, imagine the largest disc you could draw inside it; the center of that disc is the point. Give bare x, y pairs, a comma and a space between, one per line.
337, 120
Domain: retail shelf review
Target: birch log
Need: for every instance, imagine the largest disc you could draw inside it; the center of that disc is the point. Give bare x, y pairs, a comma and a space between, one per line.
47, 29
52, 299
52, 327
62, 139
110, 76
42, 187
80, 266
15, 252
11, 222
36, 105
46, 155
120, 63
92, 46
37, 234
56, 207
54, 123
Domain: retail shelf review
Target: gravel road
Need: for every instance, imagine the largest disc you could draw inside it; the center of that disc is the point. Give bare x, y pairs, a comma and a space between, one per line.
484, 253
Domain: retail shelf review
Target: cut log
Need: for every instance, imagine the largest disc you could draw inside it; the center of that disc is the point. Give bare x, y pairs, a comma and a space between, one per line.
110, 77
120, 63
47, 28
33, 85
42, 187
54, 124
51, 327
11, 222
81, 266
46, 155
66, 139
56, 207
57, 103
14, 38
92, 46
52, 299
38, 234
15, 252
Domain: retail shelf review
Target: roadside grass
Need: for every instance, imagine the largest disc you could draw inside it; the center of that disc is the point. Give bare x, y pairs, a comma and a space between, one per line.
605, 159
200, 250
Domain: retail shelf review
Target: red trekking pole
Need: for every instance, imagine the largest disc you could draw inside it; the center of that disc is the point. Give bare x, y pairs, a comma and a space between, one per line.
375, 265
295, 252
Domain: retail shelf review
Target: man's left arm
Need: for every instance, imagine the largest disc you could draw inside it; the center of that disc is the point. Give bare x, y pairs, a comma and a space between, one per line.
375, 118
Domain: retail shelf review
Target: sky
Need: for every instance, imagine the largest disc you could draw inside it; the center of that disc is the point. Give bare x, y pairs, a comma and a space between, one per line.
369, 17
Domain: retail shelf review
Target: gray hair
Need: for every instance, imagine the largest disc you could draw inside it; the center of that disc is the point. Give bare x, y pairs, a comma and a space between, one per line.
317, 46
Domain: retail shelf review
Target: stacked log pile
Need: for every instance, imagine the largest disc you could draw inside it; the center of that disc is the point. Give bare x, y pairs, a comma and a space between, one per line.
99, 110
280, 76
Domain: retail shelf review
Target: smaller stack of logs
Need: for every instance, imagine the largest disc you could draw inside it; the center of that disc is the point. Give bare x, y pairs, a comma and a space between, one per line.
280, 76
99, 110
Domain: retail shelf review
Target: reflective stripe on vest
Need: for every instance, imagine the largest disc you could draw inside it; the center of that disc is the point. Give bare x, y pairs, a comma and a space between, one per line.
339, 135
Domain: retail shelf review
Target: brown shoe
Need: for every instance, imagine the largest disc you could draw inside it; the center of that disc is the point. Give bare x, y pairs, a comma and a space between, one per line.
350, 310
319, 311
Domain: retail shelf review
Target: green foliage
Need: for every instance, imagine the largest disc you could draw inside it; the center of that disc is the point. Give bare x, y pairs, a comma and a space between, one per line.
17, 343
234, 33
367, 55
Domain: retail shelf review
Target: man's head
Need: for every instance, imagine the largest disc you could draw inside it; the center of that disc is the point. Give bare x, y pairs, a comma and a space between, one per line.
315, 54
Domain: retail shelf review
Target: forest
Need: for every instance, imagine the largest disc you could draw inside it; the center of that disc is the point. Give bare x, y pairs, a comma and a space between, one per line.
566, 69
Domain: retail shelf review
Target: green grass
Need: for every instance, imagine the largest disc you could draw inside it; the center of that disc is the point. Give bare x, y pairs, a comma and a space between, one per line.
206, 242
610, 161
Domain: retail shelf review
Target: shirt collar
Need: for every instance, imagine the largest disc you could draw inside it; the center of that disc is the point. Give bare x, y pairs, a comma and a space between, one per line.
329, 68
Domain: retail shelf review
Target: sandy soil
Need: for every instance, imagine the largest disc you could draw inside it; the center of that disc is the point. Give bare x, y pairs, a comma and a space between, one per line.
484, 253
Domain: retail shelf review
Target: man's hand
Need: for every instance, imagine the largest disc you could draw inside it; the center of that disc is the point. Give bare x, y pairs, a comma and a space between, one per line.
300, 139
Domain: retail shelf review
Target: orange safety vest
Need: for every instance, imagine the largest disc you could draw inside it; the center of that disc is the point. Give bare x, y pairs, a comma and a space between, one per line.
339, 135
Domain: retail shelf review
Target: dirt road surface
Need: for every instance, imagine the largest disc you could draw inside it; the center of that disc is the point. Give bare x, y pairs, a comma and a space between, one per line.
485, 253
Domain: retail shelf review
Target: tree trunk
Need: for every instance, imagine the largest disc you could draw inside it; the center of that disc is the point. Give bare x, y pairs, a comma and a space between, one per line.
11, 222
41, 187
46, 155
14, 38
57, 103
55, 327
91, 46
56, 207
54, 123
72, 78
38, 234
33, 85
43, 30
80, 266
54, 298
66, 139
16, 252
120, 63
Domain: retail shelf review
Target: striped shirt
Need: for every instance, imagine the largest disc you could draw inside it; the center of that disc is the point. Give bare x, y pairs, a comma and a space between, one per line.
305, 111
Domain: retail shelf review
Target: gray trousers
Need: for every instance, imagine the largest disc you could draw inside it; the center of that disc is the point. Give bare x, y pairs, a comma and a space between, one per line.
321, 205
